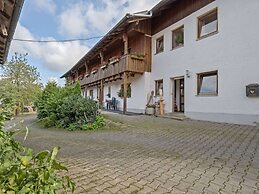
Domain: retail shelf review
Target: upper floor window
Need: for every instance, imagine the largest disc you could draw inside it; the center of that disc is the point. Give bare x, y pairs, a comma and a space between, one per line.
208, 83
178, 37
160, 44
208, 24
159, 87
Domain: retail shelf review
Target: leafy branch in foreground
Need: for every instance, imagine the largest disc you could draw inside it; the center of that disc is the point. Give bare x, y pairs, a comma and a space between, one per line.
22, 172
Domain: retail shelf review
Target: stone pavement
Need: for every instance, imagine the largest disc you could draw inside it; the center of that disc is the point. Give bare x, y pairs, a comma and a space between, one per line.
155, 155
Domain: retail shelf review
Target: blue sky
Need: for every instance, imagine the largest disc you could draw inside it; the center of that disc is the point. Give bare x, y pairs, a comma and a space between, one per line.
67, 19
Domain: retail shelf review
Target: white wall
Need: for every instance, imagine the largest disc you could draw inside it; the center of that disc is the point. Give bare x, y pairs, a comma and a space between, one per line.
234, 52
139, 91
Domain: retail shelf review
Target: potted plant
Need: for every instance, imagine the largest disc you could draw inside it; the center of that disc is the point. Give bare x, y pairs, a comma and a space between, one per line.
87, 74
150, 109
179, 39
104, 65
114, 59
138, 56
94, 70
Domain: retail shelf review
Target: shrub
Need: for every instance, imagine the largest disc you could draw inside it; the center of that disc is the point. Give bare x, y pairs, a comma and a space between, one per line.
99, 122
76, 109
66, 108
21, 171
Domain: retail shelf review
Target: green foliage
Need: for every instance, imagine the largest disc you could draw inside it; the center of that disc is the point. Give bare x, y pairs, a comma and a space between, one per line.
19, 83
6, 108
66, 108
99, 122
23, 172
76, 109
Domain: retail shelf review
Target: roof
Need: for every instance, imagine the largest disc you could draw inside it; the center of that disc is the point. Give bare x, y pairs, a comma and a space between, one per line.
119, 28
164, 4
111, 35
9, 15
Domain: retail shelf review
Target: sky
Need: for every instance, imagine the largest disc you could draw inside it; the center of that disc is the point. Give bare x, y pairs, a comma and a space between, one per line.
67, 19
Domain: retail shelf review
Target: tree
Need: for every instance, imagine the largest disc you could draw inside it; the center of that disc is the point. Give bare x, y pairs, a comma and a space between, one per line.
20, 82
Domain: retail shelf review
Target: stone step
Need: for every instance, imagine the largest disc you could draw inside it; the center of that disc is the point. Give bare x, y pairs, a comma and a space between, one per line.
172, 116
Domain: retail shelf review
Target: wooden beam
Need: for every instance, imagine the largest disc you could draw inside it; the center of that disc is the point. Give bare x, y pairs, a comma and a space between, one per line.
2, 40
126, 43
101, 97
102, 57
4, 32
125, 88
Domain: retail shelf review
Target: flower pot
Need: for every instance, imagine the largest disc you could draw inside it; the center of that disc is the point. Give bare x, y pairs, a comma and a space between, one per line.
150, 111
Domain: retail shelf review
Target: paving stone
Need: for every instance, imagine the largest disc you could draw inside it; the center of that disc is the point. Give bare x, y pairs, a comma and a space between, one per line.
147, 189
116, 189
154, 155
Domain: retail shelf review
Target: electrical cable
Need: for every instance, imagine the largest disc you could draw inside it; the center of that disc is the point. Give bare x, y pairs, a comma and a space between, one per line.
54, 41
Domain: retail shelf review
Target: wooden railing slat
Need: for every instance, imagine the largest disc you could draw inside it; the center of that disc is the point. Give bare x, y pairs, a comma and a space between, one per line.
133, 65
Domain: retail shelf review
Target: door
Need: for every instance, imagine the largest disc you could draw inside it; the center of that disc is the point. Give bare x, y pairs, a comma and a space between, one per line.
178, 99
181, 95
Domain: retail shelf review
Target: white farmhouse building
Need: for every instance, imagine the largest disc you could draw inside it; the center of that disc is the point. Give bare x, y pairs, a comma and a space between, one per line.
202, 55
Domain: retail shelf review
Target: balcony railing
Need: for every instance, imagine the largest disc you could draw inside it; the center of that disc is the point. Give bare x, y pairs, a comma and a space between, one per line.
134, 65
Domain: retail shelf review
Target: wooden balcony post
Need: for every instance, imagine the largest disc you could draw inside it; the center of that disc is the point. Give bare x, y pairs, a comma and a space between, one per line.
126, 43
86, 68
125, 88
101, 95
102, 57
77, 75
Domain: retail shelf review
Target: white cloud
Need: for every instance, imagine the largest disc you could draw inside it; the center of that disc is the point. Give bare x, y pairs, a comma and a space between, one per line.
87, 17
73, 20
80, 18
56, 56
46, 5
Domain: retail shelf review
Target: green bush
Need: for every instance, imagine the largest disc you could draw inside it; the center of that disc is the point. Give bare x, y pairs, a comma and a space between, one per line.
76, 109
99, 122
23, 172
66, 108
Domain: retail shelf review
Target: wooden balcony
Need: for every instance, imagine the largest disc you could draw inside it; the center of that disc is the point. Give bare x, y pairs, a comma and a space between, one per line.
125, 64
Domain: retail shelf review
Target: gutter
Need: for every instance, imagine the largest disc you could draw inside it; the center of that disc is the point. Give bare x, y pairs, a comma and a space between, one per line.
146, 14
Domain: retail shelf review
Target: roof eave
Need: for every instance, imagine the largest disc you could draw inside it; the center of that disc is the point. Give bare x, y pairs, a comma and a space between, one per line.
15, 17
120, 23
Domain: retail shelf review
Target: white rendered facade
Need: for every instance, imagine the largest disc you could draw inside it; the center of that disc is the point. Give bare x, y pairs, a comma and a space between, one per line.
140, 84
233, 52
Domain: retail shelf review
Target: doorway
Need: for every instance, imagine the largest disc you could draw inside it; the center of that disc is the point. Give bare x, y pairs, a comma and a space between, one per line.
178, 94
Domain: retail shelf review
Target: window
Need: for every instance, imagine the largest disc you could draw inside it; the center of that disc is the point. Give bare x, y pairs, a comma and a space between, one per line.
109, 92
121, 91
160, 44
159, 87
178, 37
208, 83
208, 24
91, 94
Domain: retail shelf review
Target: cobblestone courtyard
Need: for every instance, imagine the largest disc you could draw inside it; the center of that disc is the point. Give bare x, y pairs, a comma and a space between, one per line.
154, 155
